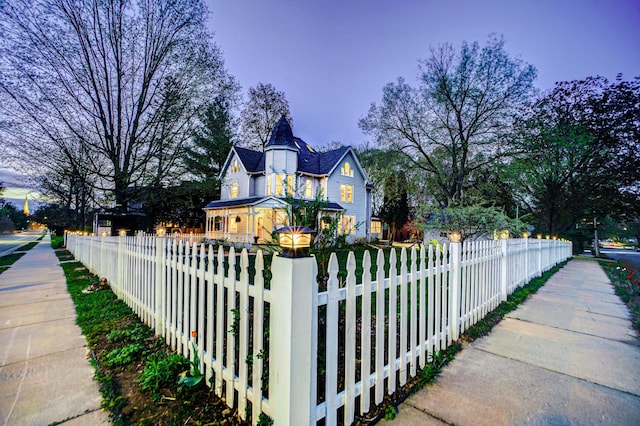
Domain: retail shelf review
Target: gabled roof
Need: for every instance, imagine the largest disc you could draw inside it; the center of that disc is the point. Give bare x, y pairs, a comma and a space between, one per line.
310, 161
253, 161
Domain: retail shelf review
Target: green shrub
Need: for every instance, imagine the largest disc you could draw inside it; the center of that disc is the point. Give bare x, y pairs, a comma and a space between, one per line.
123, 356
162, 371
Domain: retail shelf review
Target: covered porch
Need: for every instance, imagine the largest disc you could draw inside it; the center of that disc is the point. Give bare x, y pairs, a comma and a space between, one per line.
245, 221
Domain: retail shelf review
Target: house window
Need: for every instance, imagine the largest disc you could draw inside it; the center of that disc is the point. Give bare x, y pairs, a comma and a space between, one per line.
217, 223
346, 170
348, 224
269, 189
234, 189
279, 184
290, 184
346, 193
235, 167
376, 227
308, 188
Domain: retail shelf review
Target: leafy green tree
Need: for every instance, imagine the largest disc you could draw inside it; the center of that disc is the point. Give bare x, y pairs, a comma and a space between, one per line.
11, 218
452, 126
577, 156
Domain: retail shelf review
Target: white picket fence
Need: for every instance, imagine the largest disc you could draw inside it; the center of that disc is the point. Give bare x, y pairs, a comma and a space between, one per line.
326, 353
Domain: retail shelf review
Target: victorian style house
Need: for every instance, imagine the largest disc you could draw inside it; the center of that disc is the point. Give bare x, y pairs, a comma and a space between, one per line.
255, 185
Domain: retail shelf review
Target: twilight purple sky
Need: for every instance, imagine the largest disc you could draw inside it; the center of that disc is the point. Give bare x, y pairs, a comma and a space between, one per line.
332, 57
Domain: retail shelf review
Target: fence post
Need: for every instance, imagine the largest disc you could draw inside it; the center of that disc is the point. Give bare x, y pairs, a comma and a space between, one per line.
454, 285
503, 270
159, 281
539, 255
292, 364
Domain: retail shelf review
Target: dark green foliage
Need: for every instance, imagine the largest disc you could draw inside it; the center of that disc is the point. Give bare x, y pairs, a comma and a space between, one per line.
123, 356
395, 206
11, 218
577, 153
57, 241
162, 370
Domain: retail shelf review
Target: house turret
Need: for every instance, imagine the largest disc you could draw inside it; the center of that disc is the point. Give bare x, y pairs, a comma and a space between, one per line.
281, 159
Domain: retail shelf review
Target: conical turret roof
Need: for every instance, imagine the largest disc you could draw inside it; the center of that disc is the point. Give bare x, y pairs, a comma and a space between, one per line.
282, 135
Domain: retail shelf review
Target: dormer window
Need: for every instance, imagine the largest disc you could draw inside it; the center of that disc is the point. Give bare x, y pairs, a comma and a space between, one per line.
346, 170
235, 167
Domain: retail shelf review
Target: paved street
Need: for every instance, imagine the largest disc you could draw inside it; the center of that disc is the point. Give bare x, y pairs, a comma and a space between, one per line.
630, 257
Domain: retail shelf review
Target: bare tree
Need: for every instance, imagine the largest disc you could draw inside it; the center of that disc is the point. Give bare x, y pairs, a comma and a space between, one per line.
119, 81
451, 126
260, 114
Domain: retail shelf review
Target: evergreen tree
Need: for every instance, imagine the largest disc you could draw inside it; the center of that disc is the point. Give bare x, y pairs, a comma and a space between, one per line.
210, 147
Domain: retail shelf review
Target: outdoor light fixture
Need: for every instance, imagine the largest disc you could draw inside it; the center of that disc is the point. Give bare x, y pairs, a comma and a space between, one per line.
103, 234
295, 240
504, 234
122, 232
455, 237
539, 236
161, 232
525, 234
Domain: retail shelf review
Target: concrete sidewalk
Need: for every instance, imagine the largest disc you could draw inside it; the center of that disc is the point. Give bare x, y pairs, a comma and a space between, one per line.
567, 355
45, 375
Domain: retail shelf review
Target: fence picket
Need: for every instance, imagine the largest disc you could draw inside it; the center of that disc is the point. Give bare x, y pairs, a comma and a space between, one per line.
350, 341
258, 336
365, 334
404, 308
331, 353
230, 370
393, 315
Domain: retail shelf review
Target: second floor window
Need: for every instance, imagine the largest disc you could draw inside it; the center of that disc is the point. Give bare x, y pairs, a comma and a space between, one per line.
234, 190
279, 185
290, 184
308, 188
346, 193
